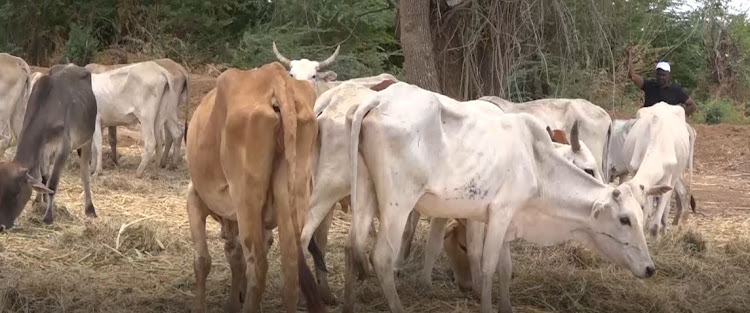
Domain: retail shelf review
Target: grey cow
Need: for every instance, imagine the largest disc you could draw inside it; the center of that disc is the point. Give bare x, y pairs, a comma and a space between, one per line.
60, 117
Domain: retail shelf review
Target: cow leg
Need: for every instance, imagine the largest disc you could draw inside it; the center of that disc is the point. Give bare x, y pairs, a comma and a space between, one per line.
167, 146
112, 134
85, 177
682, 199
149, 142
322, 202
434, 243
196, 210
54, 180
96, 147
406, 240
499, 219
248, 187
475, 237
661, 210
233, 252
321, 240
361, 223
505, 271
175, 136
394, 214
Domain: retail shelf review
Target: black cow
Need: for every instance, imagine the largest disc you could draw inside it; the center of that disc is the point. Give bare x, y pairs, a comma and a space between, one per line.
60, 117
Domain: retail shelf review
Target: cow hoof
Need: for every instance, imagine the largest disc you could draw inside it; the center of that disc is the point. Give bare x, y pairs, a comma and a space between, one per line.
328, 298
90, 210
48, 219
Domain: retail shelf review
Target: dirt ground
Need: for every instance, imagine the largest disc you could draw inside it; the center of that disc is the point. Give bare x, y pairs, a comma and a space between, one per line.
137, 255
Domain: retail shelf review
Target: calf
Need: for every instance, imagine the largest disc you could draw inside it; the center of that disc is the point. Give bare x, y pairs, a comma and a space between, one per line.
60, 117
15, 86
243, 157
453, 160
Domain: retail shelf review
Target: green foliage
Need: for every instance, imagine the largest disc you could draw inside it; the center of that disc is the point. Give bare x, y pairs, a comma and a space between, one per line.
719, 111
81, 46
537, 49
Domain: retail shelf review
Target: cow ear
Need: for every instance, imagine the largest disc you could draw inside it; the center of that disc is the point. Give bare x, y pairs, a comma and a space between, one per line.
658, 190
327, 76
598, 208
37, 185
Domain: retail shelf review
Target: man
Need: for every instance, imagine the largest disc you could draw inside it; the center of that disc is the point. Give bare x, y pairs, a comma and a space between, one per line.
663, 88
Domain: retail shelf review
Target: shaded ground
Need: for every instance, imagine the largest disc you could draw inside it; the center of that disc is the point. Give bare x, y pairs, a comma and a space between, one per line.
137, 256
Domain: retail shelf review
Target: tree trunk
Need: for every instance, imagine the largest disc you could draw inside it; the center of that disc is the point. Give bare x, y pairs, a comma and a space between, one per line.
416, 40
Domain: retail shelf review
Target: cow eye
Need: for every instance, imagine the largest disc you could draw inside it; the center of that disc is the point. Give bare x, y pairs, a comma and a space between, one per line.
462, 247
315, 76
590, 172
625, 221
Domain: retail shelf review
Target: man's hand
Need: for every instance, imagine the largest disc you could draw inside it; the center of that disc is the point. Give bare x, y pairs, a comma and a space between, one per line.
690, 107
637, 79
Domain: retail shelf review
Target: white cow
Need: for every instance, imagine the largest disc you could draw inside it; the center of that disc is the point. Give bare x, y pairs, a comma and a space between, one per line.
561, 113
572, 150
452, 159
656, 146
15, 88
137, 93
173, 131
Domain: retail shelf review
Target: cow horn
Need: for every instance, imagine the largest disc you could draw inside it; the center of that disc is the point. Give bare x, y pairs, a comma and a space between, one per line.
279, 56
549, 131
330, 59
574, 143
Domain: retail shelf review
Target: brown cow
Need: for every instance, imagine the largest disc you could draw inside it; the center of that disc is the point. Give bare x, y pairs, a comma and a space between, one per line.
239, 152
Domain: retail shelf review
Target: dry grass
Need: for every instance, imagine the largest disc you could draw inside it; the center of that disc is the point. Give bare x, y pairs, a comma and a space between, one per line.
137, 257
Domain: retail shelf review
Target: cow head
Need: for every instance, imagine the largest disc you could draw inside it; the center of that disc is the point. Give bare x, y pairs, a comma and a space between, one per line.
454, 244
575, 150
305, 69
616, 225
15, 191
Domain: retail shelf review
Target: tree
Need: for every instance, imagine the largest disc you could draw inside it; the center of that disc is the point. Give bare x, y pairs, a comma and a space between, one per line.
416, 41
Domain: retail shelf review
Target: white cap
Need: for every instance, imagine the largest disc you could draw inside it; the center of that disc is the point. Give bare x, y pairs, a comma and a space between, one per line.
664, 66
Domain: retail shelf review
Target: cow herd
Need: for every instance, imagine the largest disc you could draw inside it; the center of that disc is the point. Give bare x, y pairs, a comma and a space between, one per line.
283, 143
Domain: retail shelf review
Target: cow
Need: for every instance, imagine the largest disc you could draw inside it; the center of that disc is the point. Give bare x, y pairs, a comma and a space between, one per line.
561, 113
451, 159
249, 146
141, 92
572, 150
656, 146
15, 87
455, 237
60, 117
173, 130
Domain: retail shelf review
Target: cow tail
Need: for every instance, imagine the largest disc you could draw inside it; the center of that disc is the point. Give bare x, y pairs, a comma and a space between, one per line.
358, 257
690, 165
605, 156
289, 123
186, 99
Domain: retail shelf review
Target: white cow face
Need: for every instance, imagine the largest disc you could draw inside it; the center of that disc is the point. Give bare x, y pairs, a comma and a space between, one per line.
617, 231
583, 159
309, 70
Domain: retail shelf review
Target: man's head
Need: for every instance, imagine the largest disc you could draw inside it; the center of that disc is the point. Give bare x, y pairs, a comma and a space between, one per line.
663, 74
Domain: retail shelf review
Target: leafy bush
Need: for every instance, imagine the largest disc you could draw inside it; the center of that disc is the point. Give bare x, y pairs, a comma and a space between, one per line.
720, 111
81, 46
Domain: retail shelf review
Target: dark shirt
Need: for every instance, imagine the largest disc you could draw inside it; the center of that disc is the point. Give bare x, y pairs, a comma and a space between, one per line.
674, 94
